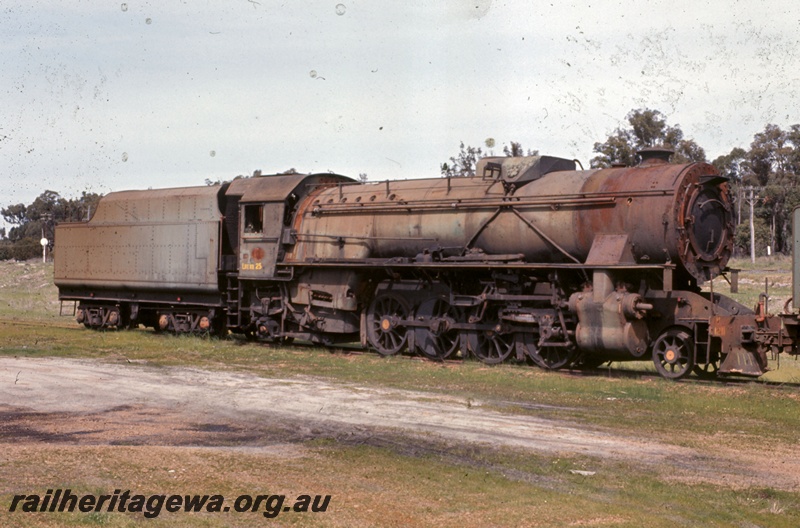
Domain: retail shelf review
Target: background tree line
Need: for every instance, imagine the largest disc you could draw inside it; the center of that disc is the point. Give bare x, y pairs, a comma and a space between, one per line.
770, 167
30, 223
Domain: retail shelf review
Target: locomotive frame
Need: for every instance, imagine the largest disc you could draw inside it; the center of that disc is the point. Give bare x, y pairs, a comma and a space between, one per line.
531, 259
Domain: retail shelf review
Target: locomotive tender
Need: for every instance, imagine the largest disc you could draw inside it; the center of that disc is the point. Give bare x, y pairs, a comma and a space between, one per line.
530, 259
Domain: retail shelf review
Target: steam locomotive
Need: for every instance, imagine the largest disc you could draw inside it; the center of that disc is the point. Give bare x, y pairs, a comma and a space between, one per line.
531, 259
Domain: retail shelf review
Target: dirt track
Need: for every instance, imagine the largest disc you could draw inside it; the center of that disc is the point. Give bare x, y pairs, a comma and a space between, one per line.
70, 401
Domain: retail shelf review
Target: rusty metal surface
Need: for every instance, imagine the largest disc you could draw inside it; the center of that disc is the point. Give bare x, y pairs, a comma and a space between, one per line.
144, 240
552, 219
663, 228
609, 250
737, 335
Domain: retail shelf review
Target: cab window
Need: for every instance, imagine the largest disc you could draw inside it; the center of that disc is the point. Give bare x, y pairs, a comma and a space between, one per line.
253, 219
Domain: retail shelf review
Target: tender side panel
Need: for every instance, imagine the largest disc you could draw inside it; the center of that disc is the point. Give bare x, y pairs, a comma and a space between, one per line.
167, 257
159, 240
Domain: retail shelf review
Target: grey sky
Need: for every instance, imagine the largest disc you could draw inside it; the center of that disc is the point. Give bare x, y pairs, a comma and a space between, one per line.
105, 95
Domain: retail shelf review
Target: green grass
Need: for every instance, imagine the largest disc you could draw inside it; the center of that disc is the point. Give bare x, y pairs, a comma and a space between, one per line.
373, 486
773, 274
27, 291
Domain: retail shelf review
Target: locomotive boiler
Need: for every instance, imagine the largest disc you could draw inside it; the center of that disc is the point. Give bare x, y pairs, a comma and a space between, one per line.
530, 259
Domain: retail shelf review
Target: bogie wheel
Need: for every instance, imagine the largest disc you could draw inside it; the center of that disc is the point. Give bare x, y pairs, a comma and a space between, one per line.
707, 370
385, 330
219, 328
438, 342
548, 357
491, 346
590, 362
673, 353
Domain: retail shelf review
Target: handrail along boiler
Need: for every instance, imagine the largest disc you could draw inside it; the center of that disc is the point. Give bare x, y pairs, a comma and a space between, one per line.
530, 259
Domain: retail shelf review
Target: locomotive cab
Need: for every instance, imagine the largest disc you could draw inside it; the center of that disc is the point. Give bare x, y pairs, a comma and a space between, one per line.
266, 208
261, 226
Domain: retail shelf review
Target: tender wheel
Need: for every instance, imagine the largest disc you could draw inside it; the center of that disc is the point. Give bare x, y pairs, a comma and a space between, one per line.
385, 330
439, 341
548, 357
673, 353
491, 346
